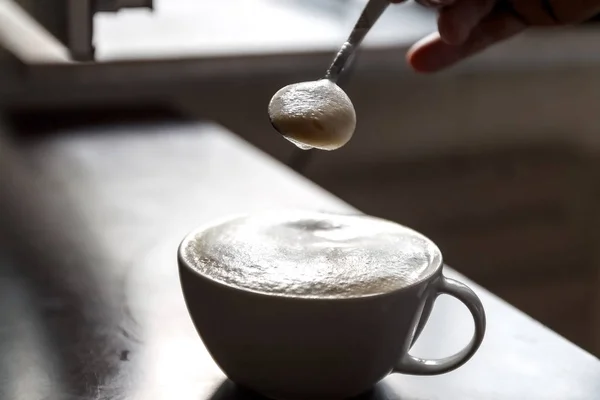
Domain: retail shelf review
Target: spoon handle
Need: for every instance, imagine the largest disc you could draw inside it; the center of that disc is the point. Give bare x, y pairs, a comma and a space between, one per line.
367, 19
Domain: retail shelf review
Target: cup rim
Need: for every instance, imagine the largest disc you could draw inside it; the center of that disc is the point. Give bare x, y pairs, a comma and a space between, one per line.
431, 272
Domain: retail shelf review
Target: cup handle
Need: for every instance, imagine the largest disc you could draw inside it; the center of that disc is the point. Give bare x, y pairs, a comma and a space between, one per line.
417, 366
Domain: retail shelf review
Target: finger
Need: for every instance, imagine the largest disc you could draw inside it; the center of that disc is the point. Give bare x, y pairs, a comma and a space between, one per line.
436, 3
432, 54
456, 22
554, 12
572, 11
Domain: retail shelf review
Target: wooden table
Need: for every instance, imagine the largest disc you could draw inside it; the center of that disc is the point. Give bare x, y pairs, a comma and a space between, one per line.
90, 304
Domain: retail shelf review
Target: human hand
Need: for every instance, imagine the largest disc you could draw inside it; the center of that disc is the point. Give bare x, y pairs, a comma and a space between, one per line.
466, 27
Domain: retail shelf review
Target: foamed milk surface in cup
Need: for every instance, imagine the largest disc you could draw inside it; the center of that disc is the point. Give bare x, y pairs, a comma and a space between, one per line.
310, 254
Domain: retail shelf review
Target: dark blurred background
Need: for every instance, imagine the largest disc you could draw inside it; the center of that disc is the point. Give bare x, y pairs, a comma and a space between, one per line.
496, 160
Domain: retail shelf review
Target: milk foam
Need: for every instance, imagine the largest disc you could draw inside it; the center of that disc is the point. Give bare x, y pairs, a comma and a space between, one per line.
310, 254
315, 114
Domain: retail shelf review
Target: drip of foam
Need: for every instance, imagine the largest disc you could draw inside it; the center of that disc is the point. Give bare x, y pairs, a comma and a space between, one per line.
310, 254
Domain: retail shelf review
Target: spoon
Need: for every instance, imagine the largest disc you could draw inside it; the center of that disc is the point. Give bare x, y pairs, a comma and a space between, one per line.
371, 13
319, 114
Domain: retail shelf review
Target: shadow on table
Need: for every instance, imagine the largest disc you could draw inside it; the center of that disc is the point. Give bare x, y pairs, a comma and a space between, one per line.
230, 391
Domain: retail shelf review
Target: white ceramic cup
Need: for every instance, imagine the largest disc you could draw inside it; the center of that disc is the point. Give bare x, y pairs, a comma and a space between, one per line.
287, 347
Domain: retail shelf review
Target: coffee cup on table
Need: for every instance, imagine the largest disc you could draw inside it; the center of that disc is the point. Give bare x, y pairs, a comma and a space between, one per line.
300, 304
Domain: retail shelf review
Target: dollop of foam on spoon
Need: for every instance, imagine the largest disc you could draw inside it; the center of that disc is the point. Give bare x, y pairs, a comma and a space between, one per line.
315, 114
312, 254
